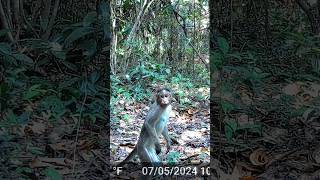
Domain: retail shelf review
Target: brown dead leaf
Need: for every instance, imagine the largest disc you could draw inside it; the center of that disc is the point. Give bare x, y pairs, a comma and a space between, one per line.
259, 157
86, 155
35, 127
316, 155
59, 131
66, 145
274, 134
192, 111
245, 98
242, 119
86, 144
247, 178
292, 89
311, 118
49, 162
308, 176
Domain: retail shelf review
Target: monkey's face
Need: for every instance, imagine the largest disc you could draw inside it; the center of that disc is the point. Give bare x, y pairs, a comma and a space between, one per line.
164, 98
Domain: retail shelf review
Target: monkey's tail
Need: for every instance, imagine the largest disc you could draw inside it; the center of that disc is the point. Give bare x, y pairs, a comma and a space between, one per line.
130, 156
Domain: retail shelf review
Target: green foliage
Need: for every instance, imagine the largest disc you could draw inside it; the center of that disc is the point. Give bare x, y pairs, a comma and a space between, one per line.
231, 128
223, 45
11, 119
11, 57
54, 105
52, 174
173, 157
22, 84
36, 151
306, 47
227, 107
23, 170
33, 92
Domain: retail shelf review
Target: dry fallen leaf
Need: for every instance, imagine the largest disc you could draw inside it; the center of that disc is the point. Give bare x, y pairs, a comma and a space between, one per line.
259, 157
37, 127
292, 89
316, 155
46, 162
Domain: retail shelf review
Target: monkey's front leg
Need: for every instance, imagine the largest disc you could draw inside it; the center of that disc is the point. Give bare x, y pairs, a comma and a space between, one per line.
153, 134
167, 138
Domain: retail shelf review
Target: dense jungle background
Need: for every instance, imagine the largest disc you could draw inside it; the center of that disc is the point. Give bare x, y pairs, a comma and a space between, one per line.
54, 88
264, 59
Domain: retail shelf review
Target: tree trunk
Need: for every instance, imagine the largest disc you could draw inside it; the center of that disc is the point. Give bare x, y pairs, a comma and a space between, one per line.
312, 10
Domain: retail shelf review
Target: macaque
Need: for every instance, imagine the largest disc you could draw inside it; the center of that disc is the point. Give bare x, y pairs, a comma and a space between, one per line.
148, 146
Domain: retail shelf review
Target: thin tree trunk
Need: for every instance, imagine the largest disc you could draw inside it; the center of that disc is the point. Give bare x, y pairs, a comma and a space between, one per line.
313, 13
137, 22
143, 10
16, 8
113, 64
52, 20
4, 21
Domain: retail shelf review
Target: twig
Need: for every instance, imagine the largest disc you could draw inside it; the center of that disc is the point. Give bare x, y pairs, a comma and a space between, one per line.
78, 129
194, 155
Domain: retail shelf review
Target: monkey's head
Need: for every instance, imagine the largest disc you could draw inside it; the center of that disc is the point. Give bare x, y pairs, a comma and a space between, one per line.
163, 97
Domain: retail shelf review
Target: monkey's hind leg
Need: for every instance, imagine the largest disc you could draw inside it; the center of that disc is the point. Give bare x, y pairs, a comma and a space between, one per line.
130, 156
148, 156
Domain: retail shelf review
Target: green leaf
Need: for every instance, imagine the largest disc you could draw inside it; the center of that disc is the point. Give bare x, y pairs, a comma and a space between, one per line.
5, 49
36, 151
94, 76
236, 55
69, 65
89, 19
21, 170
216, 60
33, 91
39, 44
4, 88
227, 106
78, 33
126, 117
230, 127
228, 133
59, 54
90, 47
11, 117
44, 23
223, 45
173, 157
23, 58
52, 174
3, 32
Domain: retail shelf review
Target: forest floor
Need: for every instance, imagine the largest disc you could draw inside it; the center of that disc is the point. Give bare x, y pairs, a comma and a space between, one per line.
44, 148
278, 137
